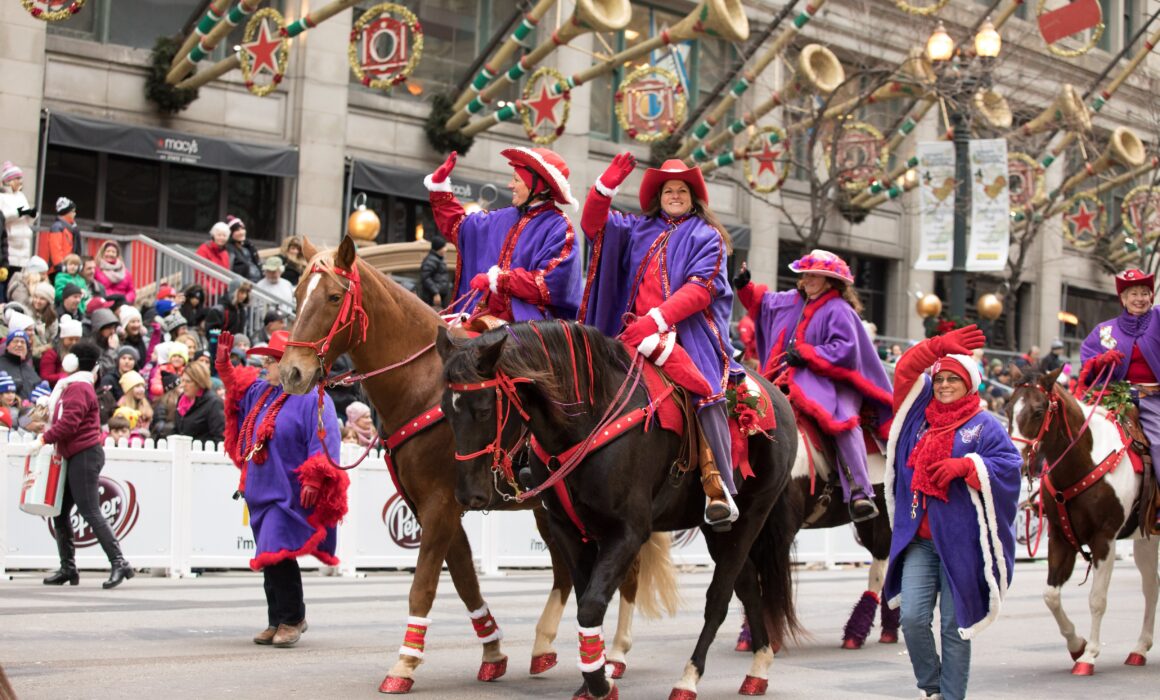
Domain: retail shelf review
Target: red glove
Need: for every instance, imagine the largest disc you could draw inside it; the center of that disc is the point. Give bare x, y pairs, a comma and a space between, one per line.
444, 171
944, 471
638, 330
1111, 357
225, 368
960, 341
480, 282
498, 303
618, 171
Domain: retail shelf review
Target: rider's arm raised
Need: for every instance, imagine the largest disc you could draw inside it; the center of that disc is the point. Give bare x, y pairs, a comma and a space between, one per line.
448, 212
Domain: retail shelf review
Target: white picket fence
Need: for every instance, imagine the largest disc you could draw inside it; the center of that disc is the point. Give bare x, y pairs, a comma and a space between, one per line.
170, 504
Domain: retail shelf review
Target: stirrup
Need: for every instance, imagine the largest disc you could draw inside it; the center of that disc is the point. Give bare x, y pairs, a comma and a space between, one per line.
862, 509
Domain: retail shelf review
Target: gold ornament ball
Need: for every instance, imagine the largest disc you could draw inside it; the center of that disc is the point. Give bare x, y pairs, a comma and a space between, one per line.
363, 224
929, 306
989, 307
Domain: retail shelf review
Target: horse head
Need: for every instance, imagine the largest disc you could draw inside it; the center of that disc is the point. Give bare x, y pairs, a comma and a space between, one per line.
485, 410
1041, 415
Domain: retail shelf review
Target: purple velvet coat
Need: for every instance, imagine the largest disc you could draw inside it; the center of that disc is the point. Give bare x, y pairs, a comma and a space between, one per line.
546, 243
843, 373
974, 532
1122, 333
695, 255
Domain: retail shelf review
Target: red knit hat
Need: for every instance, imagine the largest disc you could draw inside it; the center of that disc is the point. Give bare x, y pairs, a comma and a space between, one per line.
1134, 278
961, 366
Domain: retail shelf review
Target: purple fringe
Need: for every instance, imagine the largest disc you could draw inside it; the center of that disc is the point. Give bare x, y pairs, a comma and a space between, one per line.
891, 619
861, 619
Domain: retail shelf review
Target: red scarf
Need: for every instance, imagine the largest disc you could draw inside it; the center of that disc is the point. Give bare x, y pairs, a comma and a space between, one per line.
939, 440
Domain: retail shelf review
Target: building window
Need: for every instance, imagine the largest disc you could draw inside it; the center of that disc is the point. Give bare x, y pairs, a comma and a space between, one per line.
71, 173
403, 220
194, 198
133, 191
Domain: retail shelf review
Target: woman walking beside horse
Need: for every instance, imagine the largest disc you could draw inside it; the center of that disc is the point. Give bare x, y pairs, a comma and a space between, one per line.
667, 268
1130, 345
952, 480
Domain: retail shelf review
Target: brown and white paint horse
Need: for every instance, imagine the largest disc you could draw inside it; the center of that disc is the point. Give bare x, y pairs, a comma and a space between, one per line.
346, 306
1097, 509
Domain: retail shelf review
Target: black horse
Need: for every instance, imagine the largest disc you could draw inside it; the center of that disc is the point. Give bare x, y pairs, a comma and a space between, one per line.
565, 380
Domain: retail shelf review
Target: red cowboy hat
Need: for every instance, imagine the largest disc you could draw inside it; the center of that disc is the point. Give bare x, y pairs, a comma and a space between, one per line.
274, 348
1134, 278
548, 165
672, 169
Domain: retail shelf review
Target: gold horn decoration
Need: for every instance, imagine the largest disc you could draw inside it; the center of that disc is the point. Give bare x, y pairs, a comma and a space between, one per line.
914, 76
539, 106
588, 16
993, 108
404, 46
721, 19
1124, 148
1067, 110
1093, 38
650, 103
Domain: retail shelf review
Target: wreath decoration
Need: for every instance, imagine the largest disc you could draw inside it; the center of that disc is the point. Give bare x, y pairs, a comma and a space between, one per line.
669, 126
41, 9
528, 119
409, 19
282, 52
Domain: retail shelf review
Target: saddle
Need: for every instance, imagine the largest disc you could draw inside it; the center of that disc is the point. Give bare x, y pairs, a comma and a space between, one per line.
1140, 454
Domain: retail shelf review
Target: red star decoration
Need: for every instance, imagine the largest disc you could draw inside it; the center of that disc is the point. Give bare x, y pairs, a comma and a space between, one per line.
545, 106
263, 50
767, 159
1082, 219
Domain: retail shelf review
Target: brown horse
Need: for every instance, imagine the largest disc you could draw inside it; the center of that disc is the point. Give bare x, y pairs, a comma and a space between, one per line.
1094, 486
341, 298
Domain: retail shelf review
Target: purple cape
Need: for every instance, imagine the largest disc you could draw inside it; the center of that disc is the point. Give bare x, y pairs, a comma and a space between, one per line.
844, 371
974, 532
546, 243
272, 488
696, 255
1122, 333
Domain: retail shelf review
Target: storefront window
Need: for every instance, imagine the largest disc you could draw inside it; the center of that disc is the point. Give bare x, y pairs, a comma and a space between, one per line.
133, 191
254, 199
73, 174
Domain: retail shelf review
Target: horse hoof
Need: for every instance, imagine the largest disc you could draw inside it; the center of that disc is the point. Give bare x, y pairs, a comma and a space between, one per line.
492, 670
585, 694
851, 643
1083, 668
542, 663
1079, 652
753, 686
775, 647
682, 694
743, 645
618, 669
888, 637
394, 685
1135, 659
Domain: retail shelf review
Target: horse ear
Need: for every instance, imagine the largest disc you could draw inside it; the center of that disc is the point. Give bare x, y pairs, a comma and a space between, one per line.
489, 355
345, 256
444, 343
309, 250
1048, 380
1016, 373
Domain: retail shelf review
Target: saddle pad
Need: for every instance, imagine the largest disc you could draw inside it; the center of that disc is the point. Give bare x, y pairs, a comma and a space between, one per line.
668, 412
1137, 461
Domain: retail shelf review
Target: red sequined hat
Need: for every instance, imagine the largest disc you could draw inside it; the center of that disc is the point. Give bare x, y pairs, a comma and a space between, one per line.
1134, 278
824, 263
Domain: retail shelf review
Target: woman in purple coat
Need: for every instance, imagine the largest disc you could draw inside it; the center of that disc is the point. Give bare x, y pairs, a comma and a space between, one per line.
1129, 345
667, 268
294, 495
812, 341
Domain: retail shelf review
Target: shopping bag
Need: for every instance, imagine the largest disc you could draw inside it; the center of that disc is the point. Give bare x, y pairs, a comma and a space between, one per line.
42, 488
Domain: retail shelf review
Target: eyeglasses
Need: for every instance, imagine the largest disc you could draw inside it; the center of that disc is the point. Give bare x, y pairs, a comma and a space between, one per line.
949, 379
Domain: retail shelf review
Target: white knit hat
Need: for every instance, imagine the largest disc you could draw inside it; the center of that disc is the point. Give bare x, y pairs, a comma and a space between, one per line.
44, 289
36, 264
19, 321
127, 313
70, 328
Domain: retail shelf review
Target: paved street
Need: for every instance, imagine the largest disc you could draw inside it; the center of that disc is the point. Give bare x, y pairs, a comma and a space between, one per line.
155, 637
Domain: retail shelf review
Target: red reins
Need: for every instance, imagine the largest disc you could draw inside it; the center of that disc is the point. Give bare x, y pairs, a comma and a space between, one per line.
501, 460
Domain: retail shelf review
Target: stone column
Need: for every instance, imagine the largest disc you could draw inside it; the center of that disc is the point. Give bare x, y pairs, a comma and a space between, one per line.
22, 67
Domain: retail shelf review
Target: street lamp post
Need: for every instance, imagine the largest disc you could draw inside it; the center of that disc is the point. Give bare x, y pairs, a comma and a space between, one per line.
962, 85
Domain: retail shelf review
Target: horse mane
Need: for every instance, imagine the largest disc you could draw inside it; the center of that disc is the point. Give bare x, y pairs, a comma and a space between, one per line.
567, 344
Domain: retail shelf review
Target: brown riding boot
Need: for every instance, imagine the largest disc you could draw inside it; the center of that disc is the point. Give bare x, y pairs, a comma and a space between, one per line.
717, 512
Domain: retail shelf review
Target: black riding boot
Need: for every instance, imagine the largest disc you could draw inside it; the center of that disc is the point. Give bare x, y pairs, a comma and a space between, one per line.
67, 573
120, 568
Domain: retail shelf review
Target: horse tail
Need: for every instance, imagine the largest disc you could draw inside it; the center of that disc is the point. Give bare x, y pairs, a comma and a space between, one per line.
772, 556
657, 589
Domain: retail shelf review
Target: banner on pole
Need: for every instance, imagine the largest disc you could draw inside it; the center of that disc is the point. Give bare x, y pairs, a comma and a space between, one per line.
936, 172
990, 235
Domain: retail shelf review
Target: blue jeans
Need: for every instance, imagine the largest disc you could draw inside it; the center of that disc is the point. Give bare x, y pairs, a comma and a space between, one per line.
924, 580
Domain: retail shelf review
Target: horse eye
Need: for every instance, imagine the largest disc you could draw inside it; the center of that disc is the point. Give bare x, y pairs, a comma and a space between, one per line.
334, 298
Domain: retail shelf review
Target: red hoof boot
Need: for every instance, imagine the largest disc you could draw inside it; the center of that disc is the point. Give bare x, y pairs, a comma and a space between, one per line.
542, 663
492, 670
851, 643
1083, 668
753, 686
888, 637
743, 645
393, 685
1076, 654
682, 694
618, 669
1135, 659
586, 694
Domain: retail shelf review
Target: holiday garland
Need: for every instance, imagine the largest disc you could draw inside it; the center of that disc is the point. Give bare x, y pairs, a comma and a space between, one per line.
168, 99
39, 9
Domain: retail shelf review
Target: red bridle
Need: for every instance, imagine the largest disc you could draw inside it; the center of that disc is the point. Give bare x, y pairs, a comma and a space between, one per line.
351, 316
504, 386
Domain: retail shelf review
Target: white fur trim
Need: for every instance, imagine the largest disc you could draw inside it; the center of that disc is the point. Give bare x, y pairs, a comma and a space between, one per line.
425, 623
655, 314
558, 178
669, 341
493, 279
649, 345
596, 663
69, 363
479, 615
992, 548
972, 368
433, 186
606, 191
892, 442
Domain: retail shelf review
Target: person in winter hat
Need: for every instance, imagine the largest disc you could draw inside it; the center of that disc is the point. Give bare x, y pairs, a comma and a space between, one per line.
272, 282
17, 362
19, 220
244, 259
112, 272
229, 314
51, 362
20, 284
65, 234
522, 262
214, 250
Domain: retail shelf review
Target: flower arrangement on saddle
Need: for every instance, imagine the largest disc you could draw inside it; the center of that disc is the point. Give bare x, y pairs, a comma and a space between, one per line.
750, 413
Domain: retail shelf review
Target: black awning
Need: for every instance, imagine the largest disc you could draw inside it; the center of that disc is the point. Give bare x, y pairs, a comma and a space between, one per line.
367, 175
171, 146
741, 236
